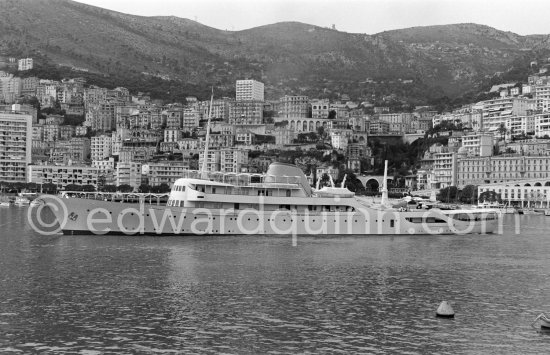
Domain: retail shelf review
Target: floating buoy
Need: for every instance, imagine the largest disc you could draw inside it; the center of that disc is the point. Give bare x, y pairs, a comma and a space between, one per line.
445, 310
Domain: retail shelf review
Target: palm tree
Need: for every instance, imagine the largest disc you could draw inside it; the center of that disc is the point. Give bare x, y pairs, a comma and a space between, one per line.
502, 130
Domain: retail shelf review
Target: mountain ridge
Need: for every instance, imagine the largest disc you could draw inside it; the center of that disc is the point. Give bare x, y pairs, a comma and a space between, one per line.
290, 57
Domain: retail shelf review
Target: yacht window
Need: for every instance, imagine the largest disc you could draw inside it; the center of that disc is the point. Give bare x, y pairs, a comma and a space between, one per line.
236, 206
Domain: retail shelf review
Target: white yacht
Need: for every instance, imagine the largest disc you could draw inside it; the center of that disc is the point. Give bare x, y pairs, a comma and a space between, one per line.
280, 203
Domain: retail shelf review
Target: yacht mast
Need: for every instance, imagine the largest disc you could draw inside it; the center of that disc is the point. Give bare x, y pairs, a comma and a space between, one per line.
204, 173
384, 201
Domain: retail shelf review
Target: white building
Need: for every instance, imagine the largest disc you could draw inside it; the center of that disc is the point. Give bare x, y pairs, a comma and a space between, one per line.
128, 174
15, 145
233, 160
62, 175
444, 170
104, 166
496, 112
247, 90
24, 64
340, 139
172, 135
480, 144
213, 162
164, 172
101, 147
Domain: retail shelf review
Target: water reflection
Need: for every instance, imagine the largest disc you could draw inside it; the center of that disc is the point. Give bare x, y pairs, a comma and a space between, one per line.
262, 295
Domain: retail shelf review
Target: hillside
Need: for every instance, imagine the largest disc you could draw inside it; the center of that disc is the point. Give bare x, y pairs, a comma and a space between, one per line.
289, 57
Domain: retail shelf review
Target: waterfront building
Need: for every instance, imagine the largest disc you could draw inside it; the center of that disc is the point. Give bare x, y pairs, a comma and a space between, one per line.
15, 144
248, 90
293, 106
165, 172
521, 193
62, 175
444, 170
501, 169
128, 173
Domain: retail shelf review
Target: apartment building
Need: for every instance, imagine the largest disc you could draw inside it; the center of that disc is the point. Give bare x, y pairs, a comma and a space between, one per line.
247, 90
496, 169
62, 175
128, 173
233, 160
320, 108
246, 112
101, 147
25, 64
294, 106
166, 172
15, 144
496, 112
478, 144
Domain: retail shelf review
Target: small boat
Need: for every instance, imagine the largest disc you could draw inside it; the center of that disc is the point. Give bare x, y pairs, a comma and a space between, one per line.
528, 211
5, 204
547, 212
544, 321
22, 201
36, 203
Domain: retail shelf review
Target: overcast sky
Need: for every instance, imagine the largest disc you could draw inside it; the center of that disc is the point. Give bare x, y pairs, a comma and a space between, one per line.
358, 16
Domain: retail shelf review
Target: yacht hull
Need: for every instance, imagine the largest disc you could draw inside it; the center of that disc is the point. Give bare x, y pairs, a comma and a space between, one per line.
83, 216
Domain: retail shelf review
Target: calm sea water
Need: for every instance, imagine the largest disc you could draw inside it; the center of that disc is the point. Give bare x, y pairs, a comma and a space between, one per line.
257, 295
